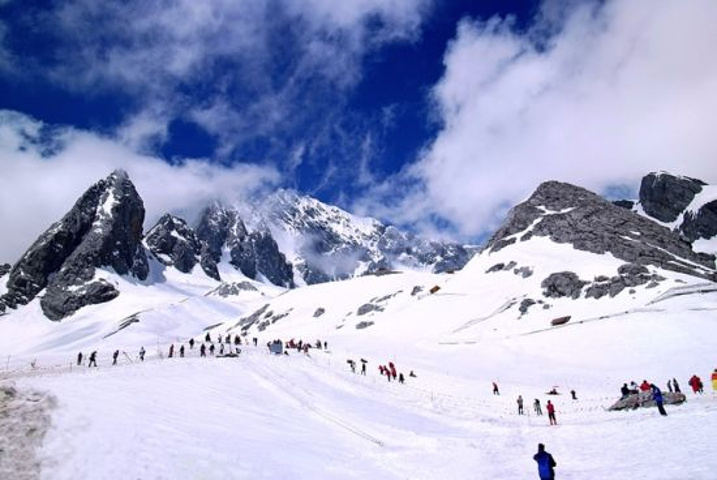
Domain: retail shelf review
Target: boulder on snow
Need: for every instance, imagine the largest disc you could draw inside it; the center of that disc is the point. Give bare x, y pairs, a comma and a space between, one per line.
645, 400
319, 311
368, 307
563, 284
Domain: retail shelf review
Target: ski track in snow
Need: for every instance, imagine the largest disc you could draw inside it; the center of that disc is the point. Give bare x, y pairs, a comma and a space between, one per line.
265, 416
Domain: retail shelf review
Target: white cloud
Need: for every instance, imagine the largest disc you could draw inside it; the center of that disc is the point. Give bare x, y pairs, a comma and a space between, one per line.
44, 176
617, 91
153, 51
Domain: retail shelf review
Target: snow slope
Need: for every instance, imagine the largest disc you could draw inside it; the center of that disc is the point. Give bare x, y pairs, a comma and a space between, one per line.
299, 416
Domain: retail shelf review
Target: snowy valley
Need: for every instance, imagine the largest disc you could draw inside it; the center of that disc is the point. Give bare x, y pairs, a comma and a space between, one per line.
640, 297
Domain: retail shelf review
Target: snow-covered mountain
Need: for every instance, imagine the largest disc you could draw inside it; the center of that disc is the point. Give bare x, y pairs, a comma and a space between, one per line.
640, 304
326, 243
683, 204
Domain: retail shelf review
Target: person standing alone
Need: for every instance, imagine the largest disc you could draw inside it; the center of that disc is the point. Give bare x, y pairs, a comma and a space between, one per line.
546, 462
520, 405
551, 413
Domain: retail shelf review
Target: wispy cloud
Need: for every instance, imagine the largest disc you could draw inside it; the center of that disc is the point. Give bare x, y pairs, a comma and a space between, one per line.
598, 95
46, 169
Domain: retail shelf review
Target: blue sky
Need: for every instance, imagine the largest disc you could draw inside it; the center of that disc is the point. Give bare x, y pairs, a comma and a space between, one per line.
435, 115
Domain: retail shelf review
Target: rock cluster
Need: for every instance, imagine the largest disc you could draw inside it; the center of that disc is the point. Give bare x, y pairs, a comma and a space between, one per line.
572, 215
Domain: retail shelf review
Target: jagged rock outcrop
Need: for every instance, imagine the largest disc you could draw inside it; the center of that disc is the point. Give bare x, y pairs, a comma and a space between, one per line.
563, 284
5, 269
328, 243
665, 197
629, 275
254, 253
701, 224
569, 214
102, 230
233, 289
174, 243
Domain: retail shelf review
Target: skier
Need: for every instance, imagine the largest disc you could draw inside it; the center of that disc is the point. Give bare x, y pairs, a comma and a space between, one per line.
79, 359
676, 386
551, 413
363, 369
203, 350
657, 396
669, 386
114, 357
714, 380
211, 349
537, 408
181, 351
411, 374
93, 359
191, 344
171, 350
326, 345
237, 340
546, 463
644, 386
142, 351
574, 395
495, 389
400, 378
520, 405
393, 369
254, 340
221, 349
625, 391
207, 338
228, 339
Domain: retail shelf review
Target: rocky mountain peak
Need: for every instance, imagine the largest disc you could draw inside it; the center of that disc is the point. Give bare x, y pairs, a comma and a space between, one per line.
103, 229
569, 214
664, 196
173, 242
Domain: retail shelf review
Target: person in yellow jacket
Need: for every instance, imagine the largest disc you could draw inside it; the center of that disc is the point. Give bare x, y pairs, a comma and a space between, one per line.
714, 380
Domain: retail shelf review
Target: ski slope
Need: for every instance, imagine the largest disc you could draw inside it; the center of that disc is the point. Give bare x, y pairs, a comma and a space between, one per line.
307, 416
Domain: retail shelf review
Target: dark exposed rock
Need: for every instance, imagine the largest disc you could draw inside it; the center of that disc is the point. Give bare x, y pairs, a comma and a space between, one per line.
246, 322
319, 311
628, 204
174, 243
702, 224
4, 269
645, 400
496, 268
664, 196
368, 307
562, 284
103, 229
416, 290
234, 289
363, 324
629, 275
525, 305
569, 214
252, 253
524, 272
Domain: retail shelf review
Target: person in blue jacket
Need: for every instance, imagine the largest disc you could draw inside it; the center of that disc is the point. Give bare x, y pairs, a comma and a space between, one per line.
659, 400
546, 463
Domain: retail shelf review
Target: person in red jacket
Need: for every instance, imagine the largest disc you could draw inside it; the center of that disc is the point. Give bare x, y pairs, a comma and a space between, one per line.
551, 413
644, 386
695, 383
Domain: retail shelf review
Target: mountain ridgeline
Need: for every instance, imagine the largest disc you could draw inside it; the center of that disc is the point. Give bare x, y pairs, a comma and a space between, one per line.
291, 240
103, 230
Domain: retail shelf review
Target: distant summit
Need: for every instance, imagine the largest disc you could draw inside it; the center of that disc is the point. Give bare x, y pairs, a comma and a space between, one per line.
569, 214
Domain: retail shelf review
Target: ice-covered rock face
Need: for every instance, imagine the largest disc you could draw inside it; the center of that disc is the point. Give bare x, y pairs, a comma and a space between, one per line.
254, 253
569, 214
174, 243
103, 229
665, 197
329, 243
